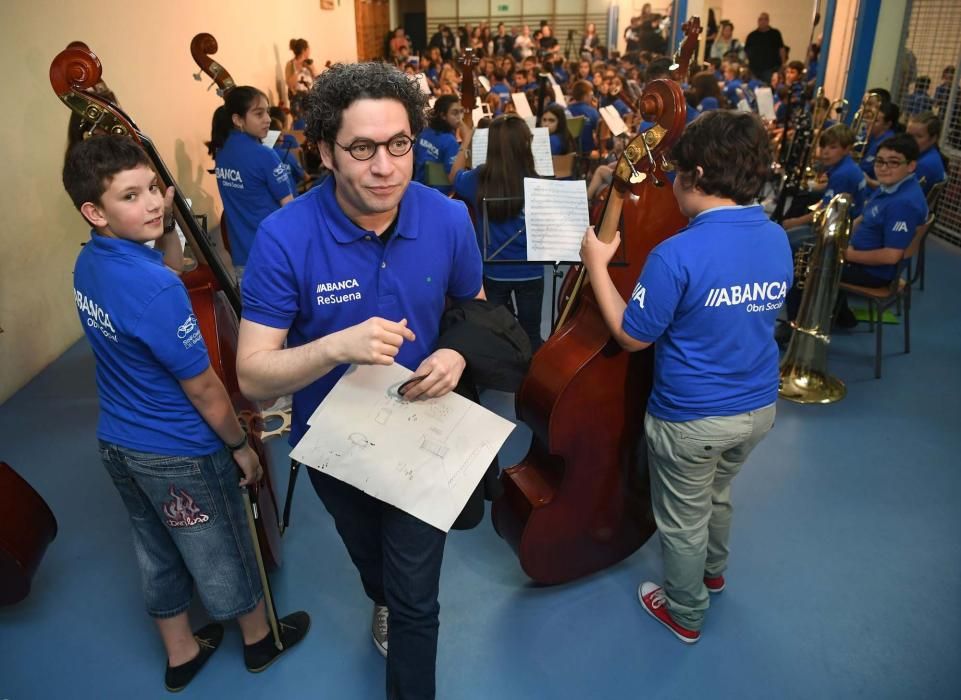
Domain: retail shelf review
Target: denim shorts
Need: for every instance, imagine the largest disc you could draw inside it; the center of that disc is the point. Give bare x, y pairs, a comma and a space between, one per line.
189, 527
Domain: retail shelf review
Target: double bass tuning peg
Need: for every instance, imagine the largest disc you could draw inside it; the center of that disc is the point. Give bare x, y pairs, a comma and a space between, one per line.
197, 76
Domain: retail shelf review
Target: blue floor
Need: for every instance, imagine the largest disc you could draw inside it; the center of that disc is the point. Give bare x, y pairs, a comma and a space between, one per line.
844, 582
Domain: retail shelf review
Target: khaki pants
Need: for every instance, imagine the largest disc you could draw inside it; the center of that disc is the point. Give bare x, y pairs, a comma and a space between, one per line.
692, 465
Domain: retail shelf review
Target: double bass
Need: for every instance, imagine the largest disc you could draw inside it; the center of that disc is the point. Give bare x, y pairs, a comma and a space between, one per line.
27, 527
580, 500
213, 291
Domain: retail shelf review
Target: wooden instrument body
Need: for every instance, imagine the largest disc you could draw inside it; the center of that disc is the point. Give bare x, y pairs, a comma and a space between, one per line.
579, 501
27, 527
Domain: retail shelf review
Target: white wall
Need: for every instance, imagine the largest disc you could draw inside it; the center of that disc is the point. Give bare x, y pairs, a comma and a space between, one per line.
790, 17
887, 40
145, 51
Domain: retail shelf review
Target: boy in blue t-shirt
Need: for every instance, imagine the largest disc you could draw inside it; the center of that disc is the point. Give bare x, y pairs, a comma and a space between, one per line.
168, 434
843, 176
708, 296
926, 128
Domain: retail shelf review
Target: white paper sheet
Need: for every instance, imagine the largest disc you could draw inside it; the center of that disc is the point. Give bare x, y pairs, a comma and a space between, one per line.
613, 120
423, 84
521, 105
424, 457
559, 96
540, 148
271, 138
765, 103
556, 215
485, 83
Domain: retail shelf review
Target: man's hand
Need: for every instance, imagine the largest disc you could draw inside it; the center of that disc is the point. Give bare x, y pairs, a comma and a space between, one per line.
376, 341
440, 371
596, 254
246, 458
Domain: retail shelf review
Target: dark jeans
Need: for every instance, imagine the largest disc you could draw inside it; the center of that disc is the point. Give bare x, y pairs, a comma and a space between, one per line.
399, 559
852, 274
530, 298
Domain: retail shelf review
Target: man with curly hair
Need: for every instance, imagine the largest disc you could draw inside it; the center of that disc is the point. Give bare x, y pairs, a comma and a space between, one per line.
358, 271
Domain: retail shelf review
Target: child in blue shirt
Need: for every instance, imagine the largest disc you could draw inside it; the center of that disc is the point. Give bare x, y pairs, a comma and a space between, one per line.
438, 142
882, 130
926, 128
509, 161
554, 120
168, 434
708, 298
843, 176
252, 181
919, 101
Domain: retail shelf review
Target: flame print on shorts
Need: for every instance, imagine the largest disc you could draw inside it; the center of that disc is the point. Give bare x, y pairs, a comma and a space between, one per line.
182, 511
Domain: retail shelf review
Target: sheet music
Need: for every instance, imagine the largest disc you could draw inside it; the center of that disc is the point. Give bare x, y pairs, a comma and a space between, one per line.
541, 149
559, 96
556, 215
485, 83
765, 103
613, 120
521, 105
424, 457
478, 147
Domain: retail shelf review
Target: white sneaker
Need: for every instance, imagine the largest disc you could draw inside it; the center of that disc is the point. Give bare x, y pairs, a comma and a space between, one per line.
379, 627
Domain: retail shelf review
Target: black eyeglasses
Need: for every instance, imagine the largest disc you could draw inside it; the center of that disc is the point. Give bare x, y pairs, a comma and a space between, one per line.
365, 149
893, 163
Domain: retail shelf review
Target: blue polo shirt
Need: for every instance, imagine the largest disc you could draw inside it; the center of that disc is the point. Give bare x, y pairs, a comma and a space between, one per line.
930, 169
437, 146
145, 338
709, 296
252, 181
845, 176
583, 109
314, 272
891, 218
288, 157
871, 152
513, 230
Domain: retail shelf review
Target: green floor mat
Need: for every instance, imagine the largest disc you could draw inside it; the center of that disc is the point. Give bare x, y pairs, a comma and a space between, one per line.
864, 315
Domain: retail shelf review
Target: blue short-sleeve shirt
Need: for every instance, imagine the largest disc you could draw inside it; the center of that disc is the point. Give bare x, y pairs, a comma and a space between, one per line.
578, 109
145, 338
845, 176
314, 272
252, 181
891, 218
930, 169
709, 296
436, 146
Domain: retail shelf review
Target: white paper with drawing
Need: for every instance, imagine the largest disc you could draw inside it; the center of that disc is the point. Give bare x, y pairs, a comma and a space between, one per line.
424, 457
556, 215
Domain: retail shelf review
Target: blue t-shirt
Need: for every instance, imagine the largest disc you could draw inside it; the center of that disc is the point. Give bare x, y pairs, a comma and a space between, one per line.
846, 176
871, 152
436, 146
709, 296
558, 145
252, 181
930, 169
145, 338
513, 230
313, 271
891, 218
579, 109
917, 102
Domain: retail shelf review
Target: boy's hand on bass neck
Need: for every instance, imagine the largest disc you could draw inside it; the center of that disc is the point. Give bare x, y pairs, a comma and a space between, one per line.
249, 463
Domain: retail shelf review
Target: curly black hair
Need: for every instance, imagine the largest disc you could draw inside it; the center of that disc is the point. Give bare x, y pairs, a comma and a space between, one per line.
344, 83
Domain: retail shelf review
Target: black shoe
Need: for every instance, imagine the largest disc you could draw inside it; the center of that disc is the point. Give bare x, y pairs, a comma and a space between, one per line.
208, 638
845, 319
260, 655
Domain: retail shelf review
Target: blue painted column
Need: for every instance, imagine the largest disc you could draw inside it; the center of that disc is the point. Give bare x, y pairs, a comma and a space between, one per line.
864, 31
680, 17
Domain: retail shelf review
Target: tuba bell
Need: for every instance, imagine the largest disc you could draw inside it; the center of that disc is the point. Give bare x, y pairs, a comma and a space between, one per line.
804, 375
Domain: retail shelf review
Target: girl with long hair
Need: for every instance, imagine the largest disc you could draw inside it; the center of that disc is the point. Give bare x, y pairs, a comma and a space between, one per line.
252, 181
497, 189
554, 120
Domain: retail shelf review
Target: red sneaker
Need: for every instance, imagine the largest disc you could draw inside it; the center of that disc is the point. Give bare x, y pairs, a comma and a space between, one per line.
715, 584
652, 598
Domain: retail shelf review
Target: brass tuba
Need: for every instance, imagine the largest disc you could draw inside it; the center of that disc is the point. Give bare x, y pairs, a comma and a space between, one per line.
804, 376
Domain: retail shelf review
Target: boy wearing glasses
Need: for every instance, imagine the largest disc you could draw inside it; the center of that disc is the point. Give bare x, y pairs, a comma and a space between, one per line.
891, 218
358, 270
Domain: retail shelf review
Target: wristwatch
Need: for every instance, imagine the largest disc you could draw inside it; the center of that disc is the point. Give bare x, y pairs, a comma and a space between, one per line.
240, 443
